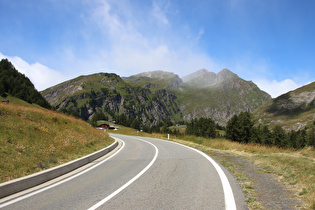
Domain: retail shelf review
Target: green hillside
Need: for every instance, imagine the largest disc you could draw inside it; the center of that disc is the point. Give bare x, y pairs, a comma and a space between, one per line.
33, 138
293, 110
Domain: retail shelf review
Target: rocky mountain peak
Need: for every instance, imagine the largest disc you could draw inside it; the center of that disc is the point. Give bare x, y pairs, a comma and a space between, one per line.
202, 73
226, 74
205, 78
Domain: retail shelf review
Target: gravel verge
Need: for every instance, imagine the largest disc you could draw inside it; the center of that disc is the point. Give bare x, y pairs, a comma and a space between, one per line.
262, 190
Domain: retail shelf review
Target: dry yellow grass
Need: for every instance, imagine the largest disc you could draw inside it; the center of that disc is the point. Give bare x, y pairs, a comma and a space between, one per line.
33, 138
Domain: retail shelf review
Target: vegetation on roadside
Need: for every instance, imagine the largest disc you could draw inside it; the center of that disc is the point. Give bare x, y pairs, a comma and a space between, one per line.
33, 138
295, 168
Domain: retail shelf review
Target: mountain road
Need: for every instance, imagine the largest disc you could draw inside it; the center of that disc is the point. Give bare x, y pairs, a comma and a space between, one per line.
145, 173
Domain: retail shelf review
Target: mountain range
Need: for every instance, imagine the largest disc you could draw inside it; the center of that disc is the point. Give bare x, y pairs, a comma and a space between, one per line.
157, 96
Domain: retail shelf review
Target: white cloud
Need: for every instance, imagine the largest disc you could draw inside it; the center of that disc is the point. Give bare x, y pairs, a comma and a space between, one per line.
200, 33
159, 14
41, 76
101, 15
132, 49
276, 88
160, 57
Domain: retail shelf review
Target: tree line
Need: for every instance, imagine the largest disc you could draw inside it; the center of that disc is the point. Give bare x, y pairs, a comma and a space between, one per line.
241, 128
203, 127
18, 85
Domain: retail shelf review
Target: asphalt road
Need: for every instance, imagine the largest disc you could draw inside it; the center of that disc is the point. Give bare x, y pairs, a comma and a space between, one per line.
145, 173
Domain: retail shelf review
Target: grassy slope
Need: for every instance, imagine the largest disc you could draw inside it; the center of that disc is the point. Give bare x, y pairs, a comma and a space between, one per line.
287, 121
33, 138
85, 84
272, 112
292, 167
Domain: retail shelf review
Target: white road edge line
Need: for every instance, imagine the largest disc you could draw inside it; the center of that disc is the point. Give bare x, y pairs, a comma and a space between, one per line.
227, 189
228, 193
130, 181
60, 182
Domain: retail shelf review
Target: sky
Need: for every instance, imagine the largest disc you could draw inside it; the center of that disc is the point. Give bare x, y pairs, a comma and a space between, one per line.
269, 42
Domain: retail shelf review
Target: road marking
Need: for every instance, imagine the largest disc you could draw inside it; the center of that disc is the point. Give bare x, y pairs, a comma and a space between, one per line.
131, 180
227, 189
228, 193
60, 182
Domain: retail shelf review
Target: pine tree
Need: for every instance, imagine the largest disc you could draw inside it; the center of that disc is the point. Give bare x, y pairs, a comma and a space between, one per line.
239, 128
278, 136
266, 136
310, 137
231, 128
135, 124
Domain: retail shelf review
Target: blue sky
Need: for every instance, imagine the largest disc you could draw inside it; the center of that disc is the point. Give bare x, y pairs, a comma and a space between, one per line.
270, 42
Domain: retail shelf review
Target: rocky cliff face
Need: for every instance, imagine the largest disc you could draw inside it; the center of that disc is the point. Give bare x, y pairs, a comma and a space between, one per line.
108, 93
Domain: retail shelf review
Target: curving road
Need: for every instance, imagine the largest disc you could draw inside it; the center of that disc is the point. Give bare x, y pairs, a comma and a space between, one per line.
145, 173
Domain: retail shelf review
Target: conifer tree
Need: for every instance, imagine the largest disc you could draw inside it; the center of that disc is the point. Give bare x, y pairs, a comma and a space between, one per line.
278, 136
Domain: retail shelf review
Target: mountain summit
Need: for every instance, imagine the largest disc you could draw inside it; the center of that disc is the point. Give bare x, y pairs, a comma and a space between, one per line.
205, 78
155, 80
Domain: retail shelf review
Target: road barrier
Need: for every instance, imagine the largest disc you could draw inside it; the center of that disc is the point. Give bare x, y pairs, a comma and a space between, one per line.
23, 183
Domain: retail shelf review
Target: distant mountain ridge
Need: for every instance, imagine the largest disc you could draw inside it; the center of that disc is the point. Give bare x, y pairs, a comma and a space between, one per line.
292, 110
154, 80
156, 96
